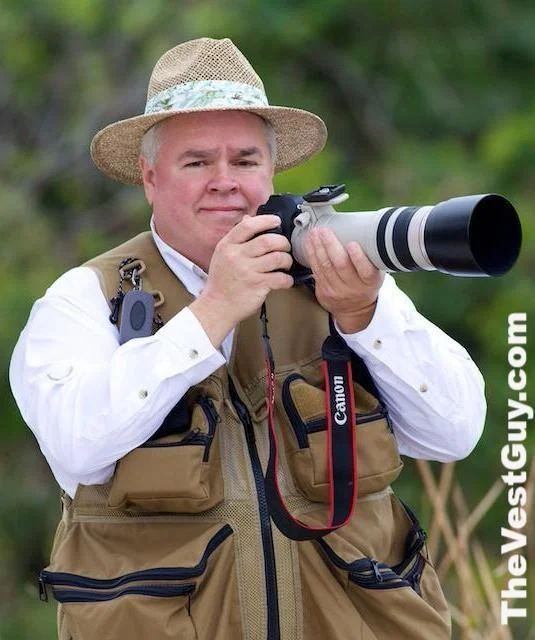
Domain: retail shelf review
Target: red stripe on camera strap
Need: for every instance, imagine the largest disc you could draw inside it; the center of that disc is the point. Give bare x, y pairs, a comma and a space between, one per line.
341, 442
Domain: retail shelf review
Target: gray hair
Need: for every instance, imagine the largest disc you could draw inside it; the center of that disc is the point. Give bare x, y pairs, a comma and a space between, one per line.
150, 144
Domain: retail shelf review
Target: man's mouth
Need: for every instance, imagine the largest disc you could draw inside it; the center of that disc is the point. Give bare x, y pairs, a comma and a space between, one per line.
222, 208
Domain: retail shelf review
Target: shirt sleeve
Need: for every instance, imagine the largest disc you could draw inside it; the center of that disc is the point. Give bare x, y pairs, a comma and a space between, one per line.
87, 400
433, 390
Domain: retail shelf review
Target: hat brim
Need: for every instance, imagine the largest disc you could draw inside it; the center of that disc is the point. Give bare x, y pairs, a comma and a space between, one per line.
299, 135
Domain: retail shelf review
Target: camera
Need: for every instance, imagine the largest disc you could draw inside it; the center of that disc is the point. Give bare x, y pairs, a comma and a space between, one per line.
473, 235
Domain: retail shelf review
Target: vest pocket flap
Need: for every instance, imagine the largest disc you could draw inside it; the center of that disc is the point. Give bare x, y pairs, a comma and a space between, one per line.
303, 408
174, 473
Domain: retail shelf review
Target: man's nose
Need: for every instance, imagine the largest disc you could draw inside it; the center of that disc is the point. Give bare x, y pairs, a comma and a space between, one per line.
222, 180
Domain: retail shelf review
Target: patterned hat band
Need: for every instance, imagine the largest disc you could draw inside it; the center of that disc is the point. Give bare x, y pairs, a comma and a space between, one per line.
200, 94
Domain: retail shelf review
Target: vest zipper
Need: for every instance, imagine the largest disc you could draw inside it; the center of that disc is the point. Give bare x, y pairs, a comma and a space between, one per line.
372, 574
419, 537
192, 438
302, 428
366, 572
313, 426
273, 631
63, 579
414, 575
65, 595
195, 436
212, 417
295, 419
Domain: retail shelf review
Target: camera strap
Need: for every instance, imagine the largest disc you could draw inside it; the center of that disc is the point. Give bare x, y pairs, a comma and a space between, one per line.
341, 441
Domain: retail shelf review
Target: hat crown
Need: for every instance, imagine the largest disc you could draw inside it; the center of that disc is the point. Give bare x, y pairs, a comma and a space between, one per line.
202, 59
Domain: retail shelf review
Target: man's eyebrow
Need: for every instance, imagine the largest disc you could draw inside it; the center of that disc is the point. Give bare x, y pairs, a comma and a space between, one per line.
197, 154
202, 154
248, 151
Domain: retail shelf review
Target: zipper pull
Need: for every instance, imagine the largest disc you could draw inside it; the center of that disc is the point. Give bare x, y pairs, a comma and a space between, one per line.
190, 436
244, 415
43, 595
210, 411
213, 410
376, 571
414, 579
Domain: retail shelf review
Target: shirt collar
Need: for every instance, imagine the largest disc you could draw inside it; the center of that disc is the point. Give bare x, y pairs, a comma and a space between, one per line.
191, 275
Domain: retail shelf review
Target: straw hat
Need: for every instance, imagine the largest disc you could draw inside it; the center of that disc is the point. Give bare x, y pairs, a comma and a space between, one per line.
205, 75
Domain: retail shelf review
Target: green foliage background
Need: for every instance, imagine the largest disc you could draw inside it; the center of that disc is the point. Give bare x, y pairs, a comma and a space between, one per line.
423, 101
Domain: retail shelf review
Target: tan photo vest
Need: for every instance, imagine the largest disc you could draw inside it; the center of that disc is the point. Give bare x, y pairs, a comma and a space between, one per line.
179, 543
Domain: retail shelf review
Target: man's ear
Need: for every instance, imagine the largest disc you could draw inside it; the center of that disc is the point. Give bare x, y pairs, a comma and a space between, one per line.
147, 174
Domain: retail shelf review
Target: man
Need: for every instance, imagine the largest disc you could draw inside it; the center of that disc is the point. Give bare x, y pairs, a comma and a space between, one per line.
161, 444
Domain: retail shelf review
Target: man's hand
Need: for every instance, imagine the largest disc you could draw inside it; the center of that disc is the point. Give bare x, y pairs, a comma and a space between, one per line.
243, 270
347, 283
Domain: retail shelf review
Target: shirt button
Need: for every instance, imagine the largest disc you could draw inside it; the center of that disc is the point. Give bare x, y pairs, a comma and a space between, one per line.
193, 354
143, 393
377, 344
59, 372
423, 388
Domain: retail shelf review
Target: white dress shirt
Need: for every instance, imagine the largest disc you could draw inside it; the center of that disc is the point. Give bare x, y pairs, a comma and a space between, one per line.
90, 401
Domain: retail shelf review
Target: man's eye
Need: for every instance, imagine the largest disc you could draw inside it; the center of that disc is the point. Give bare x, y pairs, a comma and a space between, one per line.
247, 163
196, 163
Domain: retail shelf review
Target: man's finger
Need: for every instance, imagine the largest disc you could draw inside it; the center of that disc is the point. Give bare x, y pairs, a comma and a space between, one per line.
274, 261
266, 243
338, 256
250, 226
320, 261
367, 270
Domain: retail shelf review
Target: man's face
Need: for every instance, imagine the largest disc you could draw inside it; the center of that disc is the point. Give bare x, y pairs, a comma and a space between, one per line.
212, 169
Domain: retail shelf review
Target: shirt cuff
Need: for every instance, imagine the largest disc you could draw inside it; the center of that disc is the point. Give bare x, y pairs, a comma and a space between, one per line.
389, 322
191, 353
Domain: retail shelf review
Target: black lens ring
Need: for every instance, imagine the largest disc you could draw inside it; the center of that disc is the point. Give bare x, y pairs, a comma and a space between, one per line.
381, 239
400, 239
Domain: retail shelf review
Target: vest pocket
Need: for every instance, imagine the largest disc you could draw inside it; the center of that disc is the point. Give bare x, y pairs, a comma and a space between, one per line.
169, 594
174, 473
378, 459
128, 607
403, 601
